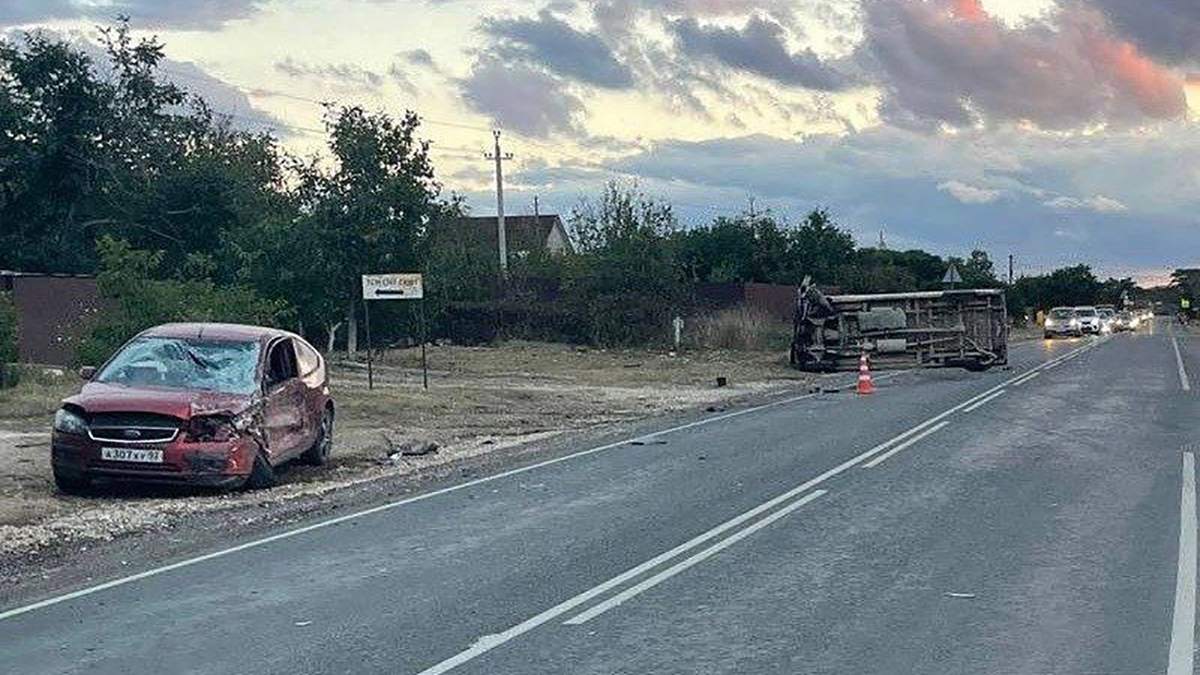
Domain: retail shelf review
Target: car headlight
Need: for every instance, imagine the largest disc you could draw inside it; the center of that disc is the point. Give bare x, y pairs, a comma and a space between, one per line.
1049, 323
1074, 323
69, 423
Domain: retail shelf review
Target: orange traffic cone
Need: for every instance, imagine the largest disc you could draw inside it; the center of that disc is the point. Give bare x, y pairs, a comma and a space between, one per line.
865, 386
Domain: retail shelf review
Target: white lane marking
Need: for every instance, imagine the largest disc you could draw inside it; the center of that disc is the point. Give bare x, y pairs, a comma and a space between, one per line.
1183, 376
153, 572
684, 564
905, 445
979, 404
1025, 379
1183, 625
965, 404
489, 642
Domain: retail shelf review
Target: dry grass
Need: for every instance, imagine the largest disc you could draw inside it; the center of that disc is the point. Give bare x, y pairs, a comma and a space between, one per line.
480, 400
741, 328
37, 394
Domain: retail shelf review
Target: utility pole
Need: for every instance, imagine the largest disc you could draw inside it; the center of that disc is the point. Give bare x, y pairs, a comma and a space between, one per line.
536, 214
500, 157
1010, 269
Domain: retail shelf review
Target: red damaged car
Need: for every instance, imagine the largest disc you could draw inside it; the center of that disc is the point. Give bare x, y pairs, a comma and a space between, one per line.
204, 404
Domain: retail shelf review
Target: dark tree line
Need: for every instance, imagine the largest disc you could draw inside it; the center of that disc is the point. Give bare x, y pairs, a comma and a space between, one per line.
107, 168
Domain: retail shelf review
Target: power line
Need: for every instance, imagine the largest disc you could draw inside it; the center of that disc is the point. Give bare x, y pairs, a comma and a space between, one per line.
261, 92
438, 146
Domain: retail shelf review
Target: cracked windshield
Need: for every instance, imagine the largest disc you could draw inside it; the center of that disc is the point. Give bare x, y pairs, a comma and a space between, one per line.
566, 337
227, 367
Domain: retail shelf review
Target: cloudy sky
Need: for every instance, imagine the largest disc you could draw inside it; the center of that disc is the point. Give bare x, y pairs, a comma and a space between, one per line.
1060, 131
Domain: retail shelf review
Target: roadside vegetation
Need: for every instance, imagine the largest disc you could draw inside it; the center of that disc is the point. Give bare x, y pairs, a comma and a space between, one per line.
107, 168
481, 399
111, 169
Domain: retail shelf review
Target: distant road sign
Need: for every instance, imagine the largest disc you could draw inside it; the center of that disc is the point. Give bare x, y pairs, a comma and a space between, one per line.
393, 287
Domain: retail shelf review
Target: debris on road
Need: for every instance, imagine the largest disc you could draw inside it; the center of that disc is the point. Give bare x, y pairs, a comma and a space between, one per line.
960, 596
409, 448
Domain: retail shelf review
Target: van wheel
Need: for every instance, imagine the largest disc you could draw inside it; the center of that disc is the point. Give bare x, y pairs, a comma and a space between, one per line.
318, 454
71, 485
262, 475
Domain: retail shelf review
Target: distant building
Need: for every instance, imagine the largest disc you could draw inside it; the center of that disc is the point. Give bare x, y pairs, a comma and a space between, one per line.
523, 234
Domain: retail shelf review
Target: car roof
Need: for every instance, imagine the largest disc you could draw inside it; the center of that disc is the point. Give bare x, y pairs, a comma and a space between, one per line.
215, 331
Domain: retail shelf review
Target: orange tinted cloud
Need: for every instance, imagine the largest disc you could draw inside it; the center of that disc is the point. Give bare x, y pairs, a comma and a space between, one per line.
1157, 90
950, 62
969, 10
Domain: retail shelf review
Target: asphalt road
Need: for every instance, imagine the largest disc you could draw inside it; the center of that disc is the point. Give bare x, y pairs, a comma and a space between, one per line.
1004, 522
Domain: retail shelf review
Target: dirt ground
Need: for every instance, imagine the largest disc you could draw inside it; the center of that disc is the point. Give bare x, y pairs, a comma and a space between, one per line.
480, 400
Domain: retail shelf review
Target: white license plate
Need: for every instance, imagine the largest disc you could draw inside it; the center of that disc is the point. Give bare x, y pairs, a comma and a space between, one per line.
141, 455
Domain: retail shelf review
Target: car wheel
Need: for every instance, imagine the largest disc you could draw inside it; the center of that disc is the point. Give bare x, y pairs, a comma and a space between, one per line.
71, 485
318, 454
262, 474
1047, 336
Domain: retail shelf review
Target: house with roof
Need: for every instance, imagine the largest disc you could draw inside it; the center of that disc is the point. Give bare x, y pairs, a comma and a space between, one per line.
523, 234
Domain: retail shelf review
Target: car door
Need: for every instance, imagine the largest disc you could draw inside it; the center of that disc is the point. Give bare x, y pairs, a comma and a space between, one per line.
285, 407
315, 386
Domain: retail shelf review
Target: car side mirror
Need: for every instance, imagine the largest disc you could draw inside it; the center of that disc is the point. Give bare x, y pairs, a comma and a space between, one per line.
87, 372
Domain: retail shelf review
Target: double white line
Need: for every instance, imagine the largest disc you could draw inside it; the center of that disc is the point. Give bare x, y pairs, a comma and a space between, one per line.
788, 502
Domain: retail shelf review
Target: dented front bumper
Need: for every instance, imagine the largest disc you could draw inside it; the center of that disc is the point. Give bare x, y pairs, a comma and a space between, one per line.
185, 462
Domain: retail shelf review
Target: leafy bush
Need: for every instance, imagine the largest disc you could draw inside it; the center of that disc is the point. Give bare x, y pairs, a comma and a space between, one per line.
129, 277
626, 280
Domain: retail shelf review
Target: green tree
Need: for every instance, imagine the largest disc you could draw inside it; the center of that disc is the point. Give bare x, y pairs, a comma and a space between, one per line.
367, 213
1064, 287
625, 278
1186, 282
977, 270
107, 146
133, 280
819, 248
750, 247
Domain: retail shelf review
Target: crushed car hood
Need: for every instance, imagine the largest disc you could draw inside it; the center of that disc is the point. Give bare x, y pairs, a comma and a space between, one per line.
96, 397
